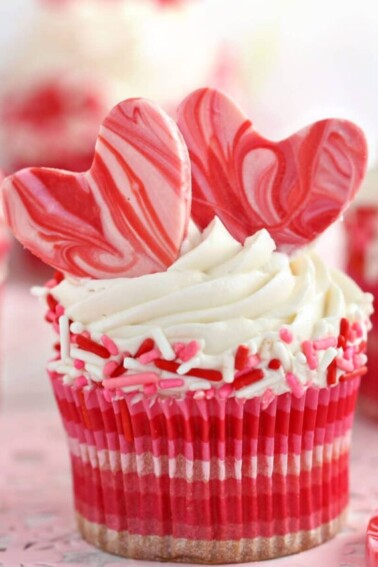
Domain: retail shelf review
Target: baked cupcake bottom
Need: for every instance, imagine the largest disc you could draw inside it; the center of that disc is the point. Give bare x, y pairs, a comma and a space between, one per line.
208, 481
155, 548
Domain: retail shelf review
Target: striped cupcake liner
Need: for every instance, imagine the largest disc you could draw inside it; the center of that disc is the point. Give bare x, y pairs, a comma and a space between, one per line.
208, 481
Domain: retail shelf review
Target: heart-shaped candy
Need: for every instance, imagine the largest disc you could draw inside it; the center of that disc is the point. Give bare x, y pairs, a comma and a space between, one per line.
295, 188
126, 216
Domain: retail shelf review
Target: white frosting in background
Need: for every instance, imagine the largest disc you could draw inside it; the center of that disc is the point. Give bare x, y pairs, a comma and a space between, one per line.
223, 294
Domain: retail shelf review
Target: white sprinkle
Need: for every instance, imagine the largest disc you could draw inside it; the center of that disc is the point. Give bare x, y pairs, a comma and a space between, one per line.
163, 344
64, 332
61, 368
200, 385
128, 389
86, 356
228, 368
199, 395
252, 347
328, 356
300, 358
95, 373
186, 366
77, 327
282, 354
39, 291
132, 364
137, 398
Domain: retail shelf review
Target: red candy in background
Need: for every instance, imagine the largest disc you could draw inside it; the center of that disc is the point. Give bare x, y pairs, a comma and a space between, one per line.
49, 112
294, 188
126, 216
372, 542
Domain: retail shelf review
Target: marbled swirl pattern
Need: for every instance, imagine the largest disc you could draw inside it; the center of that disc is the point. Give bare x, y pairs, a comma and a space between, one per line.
126, 216
294, 188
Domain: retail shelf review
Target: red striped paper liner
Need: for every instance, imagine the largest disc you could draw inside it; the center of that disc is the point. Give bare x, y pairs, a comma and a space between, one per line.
208, 481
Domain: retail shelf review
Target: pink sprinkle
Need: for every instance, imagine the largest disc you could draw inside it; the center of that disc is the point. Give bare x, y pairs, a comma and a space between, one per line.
358, 329
171, 383
253, 361
78, 364
352, 336
346, 365
150, 389
189, 350
81, 381
267, 398
50, 316
59, 310
349, 353
149, 356
308, 351
86, 334
359, 360
295, 386
225, 391
108, 395
130, 380
209, 394
177, 347
323, 344
110, 366
286, 335
51, 283
110, 345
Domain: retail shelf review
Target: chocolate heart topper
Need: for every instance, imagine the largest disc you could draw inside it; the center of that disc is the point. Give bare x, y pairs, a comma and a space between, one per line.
128, 215
294, 188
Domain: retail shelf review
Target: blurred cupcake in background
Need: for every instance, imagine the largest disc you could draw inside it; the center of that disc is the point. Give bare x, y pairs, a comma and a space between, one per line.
361, 228
78, 58
74, 60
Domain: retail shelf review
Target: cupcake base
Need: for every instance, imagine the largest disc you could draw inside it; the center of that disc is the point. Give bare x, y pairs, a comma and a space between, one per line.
208, 481
181, 550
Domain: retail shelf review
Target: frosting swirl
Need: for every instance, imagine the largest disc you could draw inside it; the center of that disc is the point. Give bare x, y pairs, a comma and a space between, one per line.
223, 294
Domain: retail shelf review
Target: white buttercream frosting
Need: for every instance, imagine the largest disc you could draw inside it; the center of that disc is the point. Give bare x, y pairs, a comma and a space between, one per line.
223, 294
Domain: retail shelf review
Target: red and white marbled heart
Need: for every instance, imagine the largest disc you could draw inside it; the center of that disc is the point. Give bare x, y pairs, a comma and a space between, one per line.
126, 216
295, 188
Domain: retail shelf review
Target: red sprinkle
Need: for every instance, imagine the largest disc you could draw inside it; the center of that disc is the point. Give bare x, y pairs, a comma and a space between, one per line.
331, 373
362, 348
251, 377
118, 371
241, 357
51, 302
90, 346
58, 277
167, 365
146, 346
274, 364
170, 366
344, 330
358, 372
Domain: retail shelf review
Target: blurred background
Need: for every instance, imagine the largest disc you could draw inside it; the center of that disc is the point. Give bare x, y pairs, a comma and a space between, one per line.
64, 63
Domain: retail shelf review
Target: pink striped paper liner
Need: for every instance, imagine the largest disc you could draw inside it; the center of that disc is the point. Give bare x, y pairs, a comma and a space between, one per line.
208, 481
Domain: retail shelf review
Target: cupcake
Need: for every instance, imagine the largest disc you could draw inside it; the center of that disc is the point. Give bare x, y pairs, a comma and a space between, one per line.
208, 360
361, 246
